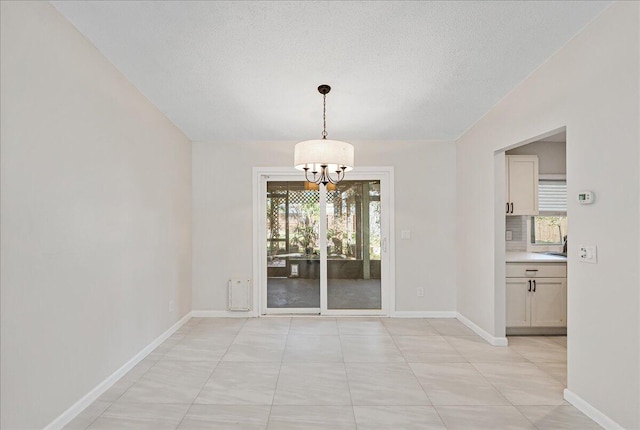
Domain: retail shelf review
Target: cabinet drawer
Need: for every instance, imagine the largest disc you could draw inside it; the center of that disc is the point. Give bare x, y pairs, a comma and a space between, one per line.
536, 270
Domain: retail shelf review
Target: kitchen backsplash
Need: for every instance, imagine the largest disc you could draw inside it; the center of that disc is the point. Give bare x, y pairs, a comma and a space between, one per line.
518, 227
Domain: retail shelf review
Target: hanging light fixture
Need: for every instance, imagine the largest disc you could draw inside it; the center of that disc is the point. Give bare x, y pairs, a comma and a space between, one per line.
322, 158
312, 186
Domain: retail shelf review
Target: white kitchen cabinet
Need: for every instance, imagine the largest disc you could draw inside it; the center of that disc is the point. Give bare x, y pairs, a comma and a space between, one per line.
549, 303
536, 295
521, 184
518, 303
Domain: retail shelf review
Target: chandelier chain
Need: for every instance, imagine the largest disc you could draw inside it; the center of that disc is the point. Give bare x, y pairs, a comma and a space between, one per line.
324, 116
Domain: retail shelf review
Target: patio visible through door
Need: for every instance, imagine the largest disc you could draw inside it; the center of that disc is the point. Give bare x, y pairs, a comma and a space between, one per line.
293, 246
324, 248
354, 246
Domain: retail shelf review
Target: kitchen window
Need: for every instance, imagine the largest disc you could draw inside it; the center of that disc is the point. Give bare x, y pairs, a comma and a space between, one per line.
550, 226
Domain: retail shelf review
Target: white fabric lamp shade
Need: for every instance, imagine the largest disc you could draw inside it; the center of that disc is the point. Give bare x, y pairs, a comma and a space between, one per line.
334, 154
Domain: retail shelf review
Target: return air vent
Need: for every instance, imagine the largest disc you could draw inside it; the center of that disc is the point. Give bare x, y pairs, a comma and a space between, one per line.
239, 294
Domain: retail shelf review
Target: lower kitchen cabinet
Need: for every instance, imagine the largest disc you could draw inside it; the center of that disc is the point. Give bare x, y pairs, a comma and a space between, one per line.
536, 301
549, 303
518, 303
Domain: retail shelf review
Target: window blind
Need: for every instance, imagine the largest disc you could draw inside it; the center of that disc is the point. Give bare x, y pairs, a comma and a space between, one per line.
552, 197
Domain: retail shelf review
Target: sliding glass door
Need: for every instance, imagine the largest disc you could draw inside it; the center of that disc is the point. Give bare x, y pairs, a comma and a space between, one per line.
324, 249
293, 246
354, 245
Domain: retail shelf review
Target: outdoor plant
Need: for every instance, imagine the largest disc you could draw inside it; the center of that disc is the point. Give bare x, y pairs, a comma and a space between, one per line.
305, 233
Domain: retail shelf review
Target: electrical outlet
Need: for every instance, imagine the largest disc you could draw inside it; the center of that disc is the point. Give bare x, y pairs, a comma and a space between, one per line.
405, 234
420, 292
588, 253
509, 235
171, 305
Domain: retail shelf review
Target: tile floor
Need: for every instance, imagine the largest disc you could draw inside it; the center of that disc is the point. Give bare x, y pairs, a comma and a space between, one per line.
339, 373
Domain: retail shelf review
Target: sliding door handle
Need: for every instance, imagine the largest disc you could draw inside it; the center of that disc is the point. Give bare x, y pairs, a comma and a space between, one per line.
384, 244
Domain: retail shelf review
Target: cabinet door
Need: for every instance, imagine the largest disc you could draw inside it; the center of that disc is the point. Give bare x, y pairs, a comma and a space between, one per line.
522, 184
549, 303
518, 312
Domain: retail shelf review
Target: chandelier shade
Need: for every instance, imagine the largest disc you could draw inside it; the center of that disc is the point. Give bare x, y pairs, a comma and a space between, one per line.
313, 154
325, 160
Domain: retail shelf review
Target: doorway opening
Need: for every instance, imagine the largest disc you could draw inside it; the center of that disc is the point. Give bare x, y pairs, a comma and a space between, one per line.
531, 249
535, 238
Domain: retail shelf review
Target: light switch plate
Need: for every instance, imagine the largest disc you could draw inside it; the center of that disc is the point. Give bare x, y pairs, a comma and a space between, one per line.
588, 253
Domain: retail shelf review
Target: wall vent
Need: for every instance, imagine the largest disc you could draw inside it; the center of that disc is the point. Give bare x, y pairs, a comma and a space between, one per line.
239, 294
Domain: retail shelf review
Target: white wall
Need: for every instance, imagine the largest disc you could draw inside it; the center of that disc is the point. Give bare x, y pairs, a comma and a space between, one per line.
424, 204
96, 214
591, 86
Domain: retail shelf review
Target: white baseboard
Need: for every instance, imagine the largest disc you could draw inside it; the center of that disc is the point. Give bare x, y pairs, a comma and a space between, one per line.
305, 314
93, 395
590, 411
423, 314
223, 314
495, 341
250, 314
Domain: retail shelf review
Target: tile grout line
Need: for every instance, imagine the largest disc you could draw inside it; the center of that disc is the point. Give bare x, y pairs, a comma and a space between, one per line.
201, 388
96, 418
526, 417
538, 363
346, 374
209, 377
141, 376
273, 398
486, 359
527, 361
482, 375
495, 387
418, 379
510, 404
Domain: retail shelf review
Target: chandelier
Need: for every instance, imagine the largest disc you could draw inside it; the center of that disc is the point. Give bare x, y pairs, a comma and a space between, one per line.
324, 161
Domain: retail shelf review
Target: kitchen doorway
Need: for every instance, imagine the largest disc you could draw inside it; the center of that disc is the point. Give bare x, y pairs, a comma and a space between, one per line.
531, 253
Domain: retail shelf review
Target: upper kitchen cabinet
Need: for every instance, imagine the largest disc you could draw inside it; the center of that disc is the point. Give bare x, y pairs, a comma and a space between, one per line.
522, 185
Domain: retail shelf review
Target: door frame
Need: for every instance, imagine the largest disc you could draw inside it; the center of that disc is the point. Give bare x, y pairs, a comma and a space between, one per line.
499, 247
260, 176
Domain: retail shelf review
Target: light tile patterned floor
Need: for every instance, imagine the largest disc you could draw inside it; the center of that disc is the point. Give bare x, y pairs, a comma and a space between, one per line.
339, 373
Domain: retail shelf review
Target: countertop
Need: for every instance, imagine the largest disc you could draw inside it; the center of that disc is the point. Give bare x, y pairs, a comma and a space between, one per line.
532, 257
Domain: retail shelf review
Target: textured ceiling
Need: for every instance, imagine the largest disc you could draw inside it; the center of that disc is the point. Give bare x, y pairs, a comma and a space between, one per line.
226, 71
